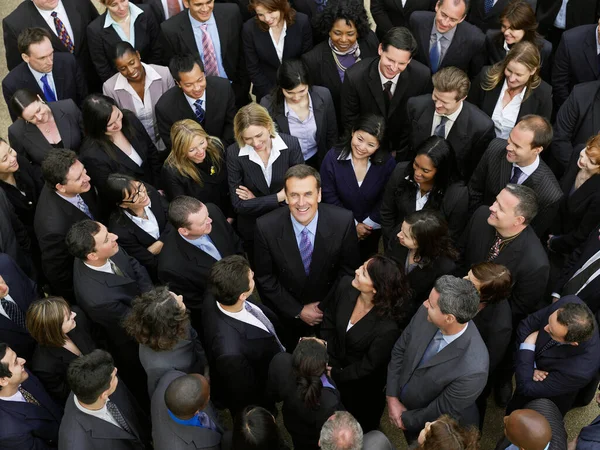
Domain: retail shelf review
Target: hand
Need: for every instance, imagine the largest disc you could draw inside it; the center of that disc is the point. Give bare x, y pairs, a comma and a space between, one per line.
311, 314
363, 230
395, 410
532, 338
244, 193
156, 247
230, 220
572, 445
539, 375
281, 195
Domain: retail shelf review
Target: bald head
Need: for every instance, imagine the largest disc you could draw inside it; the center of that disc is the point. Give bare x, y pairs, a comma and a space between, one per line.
527, 429
187, 395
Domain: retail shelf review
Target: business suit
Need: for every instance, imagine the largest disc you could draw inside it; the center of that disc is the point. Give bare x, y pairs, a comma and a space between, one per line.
14, 239
29, 141
392, 13
589, 437
484, 21
579, 12
170, 435
262, 61
25, 425
469, 136
156, 8
324, 116
362, 92
359, 356
68, 79
239, 355
219, 108
466, 50
448, 383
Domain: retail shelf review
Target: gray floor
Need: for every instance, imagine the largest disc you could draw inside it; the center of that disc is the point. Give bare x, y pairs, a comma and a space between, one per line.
575, 420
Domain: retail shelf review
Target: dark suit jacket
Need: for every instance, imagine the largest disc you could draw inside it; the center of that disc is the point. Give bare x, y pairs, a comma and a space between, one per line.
449, 383
525, 257
220, 111
579, 12
54, 217
279, 272
391, 13
589, 437
478, 17
29, 141
14, 237
242, 171
102, 42
23, 291
239, 355
324, 113
186, 268
494, 323
362, 93
68, 79
156, 7
262, 61
466, 51
28, 426
469, 136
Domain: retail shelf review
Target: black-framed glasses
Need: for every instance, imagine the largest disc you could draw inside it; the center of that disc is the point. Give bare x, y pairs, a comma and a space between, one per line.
136, 195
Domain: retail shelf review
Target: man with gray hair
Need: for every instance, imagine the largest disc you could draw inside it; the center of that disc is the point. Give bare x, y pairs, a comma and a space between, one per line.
440, 363
341, 432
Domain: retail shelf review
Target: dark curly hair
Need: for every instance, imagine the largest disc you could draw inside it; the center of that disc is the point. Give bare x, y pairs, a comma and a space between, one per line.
391, 285
352, 11
156, 320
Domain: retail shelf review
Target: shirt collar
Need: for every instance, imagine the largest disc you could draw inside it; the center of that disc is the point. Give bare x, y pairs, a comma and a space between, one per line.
505, 87
134, 10
277, 145
286, 108
193, 422
151, 75
198, 24
38, 75
283, 31
506, 46
60, 9
449, 338
72, 200
191, 100
384, 79
528, 170
312, 226
196, 242
452, 117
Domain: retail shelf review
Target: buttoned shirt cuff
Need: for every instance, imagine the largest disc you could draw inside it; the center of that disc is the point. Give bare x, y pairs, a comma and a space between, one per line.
525, 346
555, 294
368, 221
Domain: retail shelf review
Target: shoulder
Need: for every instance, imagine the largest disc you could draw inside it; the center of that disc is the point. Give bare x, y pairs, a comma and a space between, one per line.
543, 90
233, 151
290, 141
97, 25
226, 10
20, 16
471, 32
302, 20
574, 35
497, 147
419, 71
321, 91
421, 18
250, 26
216, 83
362, 68
474, 112
586, 91
163, 71
332, 213
420, 101
165, 100
274, 219
17, 128
548, 177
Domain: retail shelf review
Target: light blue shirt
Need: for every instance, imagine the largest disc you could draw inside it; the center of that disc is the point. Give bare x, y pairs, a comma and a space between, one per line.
205, 241
191, 101
38, 77
312, 229
561, 17
135, 11
214, 35
514, 447
305, 131
448, 339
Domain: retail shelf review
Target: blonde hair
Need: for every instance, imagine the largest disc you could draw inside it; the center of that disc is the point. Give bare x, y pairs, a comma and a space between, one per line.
183, 133
523, 52
251, 115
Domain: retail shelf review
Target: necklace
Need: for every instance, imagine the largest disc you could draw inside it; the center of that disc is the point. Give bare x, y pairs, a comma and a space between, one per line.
339, 64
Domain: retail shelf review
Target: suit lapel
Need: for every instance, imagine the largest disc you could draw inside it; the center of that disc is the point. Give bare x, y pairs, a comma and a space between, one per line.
255, 174
344, 313
401, 87
34, 135
490, 99
456, 46
376, 87
319, 112
591, 55
505, 170
264, 41
109, 34
321, 249
289, 248
186, 33
193, 253
63, 127
425, 37
426, 336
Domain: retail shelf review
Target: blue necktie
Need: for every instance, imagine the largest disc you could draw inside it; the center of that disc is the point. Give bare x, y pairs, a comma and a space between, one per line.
48, 92
440, 130
433, 348
434, 56
209, 248
306, 250
83, 207
488, 5
198, 110
516, 175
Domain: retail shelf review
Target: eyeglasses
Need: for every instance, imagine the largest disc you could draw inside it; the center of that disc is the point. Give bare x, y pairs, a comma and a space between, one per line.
134, 198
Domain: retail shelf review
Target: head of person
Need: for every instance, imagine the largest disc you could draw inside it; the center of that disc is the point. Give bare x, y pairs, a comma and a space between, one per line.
36, 49
125, 193
434, 164
190, 217
341, 432
187, 395
65, 174
231, 280
309, 362
293, 82
518, 23
91, 242
589, 156
188, 73
492, 281
93, 377
530, 136
520, 69
201, 10
49, 320
255, 428
449, 13
527, 429
452, 303
515, 207
572, 324
12, 369
450, 88
30, 107
303, 192
272, 13
102, 119
46, 5
365, 139
118, 9
396, 50
4, 289
8, 159
344, 21
253, 126
158, 319
128, 62
446, 434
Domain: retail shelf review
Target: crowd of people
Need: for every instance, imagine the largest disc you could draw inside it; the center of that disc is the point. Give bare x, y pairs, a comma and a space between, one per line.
266, 207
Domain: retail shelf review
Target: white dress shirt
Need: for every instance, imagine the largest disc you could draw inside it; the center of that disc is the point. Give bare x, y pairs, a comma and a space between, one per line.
62, 15
527, 170
437, 118
191, 101
149, 225
245, 316
10, 299
101, 413
505, 118
16, 397
279, 45
277, 146
421, 200
103, 268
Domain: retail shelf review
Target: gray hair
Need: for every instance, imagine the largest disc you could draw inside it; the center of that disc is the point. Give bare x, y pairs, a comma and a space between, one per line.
342, 432
528, 203
457, 297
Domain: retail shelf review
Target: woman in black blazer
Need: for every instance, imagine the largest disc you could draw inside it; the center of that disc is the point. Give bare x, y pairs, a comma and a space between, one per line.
512, 88
123, 21
275, 21
303, 110
361, 327
350, 40
63, 334
116, 142
255, 175
308, 394
43, 127
139, 216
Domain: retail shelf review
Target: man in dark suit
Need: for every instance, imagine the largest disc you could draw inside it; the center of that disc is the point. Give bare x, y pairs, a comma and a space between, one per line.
589, 436
183, 35
17, 291
68, 18
66, 198
446, 114
440, 363
183, 417
207, 100
556, 16
30, 418
52, 75
383, 85
100, 411
14, 237
302, 252
444, 39
485, 14
240, 336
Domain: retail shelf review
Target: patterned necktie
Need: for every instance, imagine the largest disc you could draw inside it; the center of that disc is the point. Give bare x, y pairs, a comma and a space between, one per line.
62, 32
306, 250
440, 130
173, 8
516, 174
83, 207
495, 249
13, 311
116, 270
198, 110
258, 314
28, 397
551, 343
434, 55
433, 348
116, 414
48, 92
488, 5
210, 249
211, 68
574, 285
